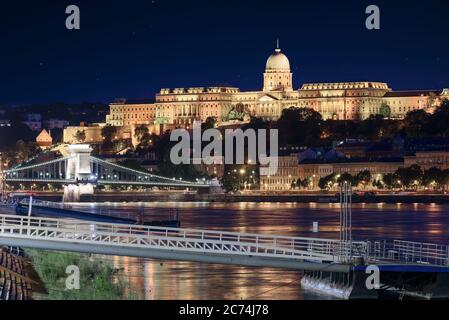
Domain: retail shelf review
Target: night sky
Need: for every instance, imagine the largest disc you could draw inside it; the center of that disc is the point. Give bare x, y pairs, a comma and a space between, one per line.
132, 48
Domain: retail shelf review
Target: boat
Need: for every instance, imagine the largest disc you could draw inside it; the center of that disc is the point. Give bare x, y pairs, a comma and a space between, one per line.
57, 210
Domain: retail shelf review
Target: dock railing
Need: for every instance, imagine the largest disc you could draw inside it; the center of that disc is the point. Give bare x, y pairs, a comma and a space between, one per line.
182, 239
408, 252
220, 242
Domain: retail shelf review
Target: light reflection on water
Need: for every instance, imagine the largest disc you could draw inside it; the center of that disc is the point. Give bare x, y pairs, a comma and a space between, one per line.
151, 279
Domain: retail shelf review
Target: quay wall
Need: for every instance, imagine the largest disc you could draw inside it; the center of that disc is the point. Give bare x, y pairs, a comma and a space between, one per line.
190, 197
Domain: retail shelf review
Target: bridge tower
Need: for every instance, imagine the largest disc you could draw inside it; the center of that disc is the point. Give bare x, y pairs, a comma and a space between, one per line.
78, 168
78, 165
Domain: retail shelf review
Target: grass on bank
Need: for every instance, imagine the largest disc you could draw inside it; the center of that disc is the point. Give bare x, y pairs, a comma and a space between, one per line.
98, 278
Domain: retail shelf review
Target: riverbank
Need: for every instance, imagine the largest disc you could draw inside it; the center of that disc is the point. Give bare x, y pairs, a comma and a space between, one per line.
98, 279
18, 279
253, 197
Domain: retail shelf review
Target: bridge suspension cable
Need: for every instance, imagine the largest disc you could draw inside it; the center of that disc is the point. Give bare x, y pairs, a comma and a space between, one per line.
142, 176
37, 165
82, 167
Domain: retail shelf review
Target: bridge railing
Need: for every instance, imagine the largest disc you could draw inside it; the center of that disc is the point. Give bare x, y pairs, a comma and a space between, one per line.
194, 240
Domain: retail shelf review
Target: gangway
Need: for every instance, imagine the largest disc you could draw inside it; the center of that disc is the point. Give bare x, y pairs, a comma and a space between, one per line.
173, 243
326, 263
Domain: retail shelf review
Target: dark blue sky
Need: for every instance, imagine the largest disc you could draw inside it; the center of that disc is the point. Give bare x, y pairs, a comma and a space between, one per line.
133, 48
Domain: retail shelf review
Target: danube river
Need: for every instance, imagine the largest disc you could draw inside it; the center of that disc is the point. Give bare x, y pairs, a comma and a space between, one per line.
151, 279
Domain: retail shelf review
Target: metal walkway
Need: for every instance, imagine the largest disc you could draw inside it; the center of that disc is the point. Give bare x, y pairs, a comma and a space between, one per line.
172, 243
209, 246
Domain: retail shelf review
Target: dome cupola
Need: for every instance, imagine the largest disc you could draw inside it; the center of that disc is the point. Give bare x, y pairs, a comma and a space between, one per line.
277, 76
278, 62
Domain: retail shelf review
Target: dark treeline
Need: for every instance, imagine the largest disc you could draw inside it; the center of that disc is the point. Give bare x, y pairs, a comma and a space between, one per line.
410, 178
89, 112
306, 127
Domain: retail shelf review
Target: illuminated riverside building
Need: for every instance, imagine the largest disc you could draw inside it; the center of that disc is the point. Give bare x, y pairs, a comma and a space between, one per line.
132, 112
429, 153
286, 174
180, 107
313, 170
184, 106
427, 159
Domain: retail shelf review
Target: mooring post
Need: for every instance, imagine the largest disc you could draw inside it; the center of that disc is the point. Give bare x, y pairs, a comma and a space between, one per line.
30, 205
345, 222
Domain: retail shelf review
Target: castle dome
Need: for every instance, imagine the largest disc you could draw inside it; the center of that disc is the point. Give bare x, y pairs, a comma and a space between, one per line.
278, 62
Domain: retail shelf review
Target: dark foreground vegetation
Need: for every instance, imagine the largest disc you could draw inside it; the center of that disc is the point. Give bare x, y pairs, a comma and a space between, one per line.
98, 278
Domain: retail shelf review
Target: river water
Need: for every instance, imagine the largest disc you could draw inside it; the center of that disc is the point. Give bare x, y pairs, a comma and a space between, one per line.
151, 279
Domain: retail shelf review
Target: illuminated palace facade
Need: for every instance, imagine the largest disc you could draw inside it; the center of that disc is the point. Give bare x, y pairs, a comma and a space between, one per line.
181, 107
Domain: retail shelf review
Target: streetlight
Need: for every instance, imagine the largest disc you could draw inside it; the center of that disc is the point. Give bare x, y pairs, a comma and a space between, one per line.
242, 172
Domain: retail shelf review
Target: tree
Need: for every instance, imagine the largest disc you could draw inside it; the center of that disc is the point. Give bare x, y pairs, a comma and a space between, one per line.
142, 134
293, 185
389, 181
300, 126
415, 123
162, 147
108, 132
438, 121
306, 183
431, 99
22, 152
363, 177
378, 184
9, 135
345, 177
385, 110
433, 177
209, 123
326, 183
80, 136
411, 176
445, 178
231, 181
373, 128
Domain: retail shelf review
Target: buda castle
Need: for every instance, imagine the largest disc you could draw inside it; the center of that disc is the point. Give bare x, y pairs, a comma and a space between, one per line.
181, 107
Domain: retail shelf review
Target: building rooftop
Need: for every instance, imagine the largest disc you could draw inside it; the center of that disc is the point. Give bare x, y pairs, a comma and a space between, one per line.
427, 144
218, 89
354, 160
411, 93
133, 101
44, 136
345, 85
